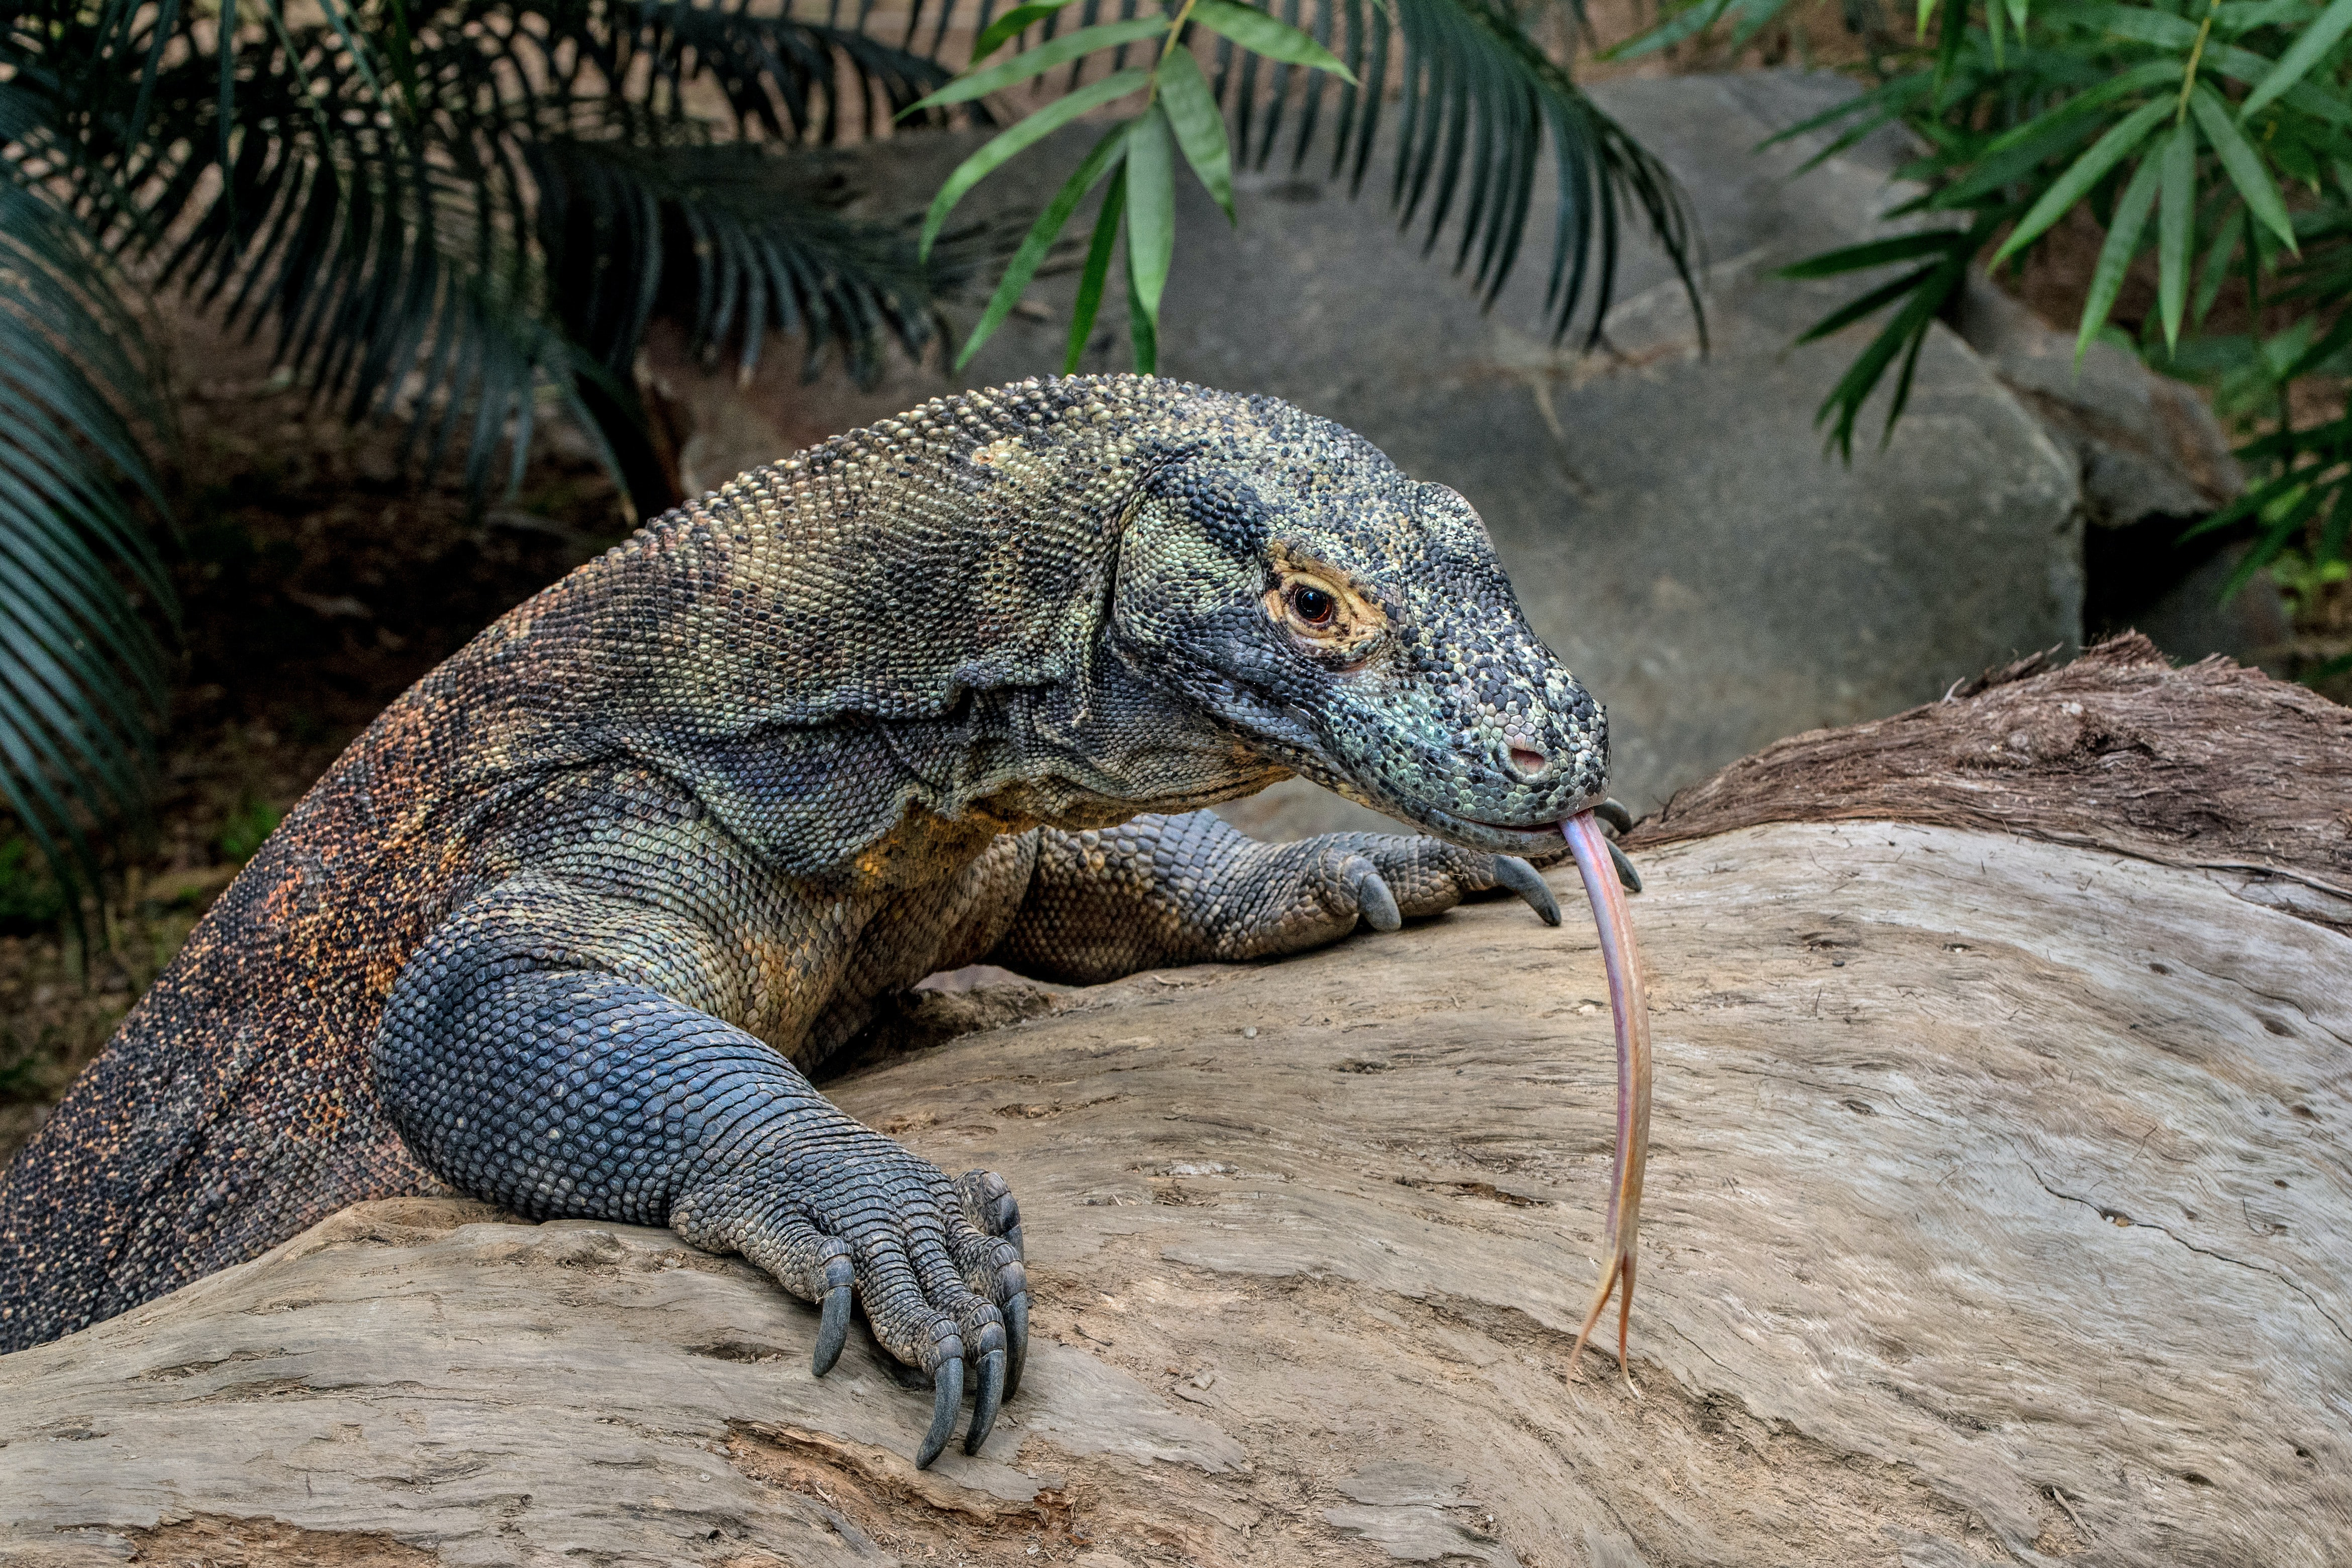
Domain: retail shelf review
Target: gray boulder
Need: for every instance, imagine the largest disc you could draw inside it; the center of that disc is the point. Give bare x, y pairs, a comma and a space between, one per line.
2153, 460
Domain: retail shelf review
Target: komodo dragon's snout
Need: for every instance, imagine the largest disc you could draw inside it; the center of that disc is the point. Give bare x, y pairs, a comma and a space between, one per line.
1354, 624
569, 926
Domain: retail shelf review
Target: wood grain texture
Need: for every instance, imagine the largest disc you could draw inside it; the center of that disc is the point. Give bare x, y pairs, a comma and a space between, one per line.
2210, 766
1999, 1212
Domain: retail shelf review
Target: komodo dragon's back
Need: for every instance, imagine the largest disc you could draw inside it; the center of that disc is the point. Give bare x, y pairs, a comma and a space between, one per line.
233, 1107
564, 928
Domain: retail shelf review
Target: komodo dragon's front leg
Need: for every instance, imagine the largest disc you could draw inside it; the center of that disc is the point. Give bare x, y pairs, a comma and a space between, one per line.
1192, 890
560, 1051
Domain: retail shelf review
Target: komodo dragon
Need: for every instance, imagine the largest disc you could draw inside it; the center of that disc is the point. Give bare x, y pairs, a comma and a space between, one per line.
568, 925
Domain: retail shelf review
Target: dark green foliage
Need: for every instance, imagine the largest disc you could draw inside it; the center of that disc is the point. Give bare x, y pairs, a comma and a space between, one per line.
31, 898
81, 670
2215, 134
443, 210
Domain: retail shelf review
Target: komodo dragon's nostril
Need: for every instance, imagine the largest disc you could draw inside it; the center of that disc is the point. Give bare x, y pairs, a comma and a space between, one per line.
1527, 761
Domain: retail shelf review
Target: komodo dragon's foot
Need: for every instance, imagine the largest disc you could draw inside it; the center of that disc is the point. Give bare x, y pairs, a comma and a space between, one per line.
1387, 879
839, 1215
1619, 822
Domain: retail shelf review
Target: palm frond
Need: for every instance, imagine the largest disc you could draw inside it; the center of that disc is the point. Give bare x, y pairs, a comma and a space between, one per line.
435, 209
504, 201
82, 671
1481, 102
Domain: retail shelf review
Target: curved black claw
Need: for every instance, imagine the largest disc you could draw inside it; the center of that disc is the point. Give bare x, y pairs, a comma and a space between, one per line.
1016, 1340
1376, 903
947, 1385
1626, 873
1524, 879
985, 1403
833, 1329
1615, 814
989, 1204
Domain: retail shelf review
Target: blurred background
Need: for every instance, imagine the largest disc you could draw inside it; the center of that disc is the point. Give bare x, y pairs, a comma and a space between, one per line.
1804, 358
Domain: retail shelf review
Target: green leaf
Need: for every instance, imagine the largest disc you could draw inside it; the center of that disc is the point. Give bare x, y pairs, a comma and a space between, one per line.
1262, 34
2214, 270
2085, 171
2298, 61
1019, 139
1097, 272
2142, 25
2243, 163
2175, 230
1143, 331
2236, 16
1697, 19
1871, 304
1200, 128
1150, 209
1042, 235
1011, 26
1876, 253
1044, 57
2123, 243
2013, 156
2245, 66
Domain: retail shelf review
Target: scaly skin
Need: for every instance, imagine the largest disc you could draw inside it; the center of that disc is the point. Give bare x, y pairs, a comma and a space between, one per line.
566, 928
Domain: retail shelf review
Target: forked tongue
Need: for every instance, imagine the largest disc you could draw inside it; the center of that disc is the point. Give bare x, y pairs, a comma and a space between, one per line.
1629, 1014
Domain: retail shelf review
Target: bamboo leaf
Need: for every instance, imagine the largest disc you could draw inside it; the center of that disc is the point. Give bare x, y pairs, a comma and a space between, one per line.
1143, 332
1039, 60
1009, 26
1199, 127
2214, 270
1040, 239
1150, 209
2122, 243
2296, 63
2243, 162
1019, 139
1263, 34
1670, 32
2085, 171
1097, 272
2175, 231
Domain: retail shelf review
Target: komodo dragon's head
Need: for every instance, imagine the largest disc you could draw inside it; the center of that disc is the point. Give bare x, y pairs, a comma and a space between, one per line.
1353, 624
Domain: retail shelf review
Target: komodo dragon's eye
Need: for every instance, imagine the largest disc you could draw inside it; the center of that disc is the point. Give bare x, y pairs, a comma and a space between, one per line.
1313, 605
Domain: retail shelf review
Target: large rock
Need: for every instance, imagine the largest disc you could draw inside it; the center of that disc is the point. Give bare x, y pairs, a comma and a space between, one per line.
1997, 1213
2153, 461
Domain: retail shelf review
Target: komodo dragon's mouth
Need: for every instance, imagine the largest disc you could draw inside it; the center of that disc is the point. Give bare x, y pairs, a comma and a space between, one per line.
1289, 737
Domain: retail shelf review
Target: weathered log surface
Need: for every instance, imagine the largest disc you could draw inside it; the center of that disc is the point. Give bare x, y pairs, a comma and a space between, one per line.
2000, 1211
2213, 765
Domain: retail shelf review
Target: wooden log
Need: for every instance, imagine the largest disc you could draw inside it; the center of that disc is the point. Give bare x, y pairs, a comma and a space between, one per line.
1999, 1212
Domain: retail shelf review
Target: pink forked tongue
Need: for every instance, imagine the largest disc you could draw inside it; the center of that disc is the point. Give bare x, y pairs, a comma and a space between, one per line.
1629, 1014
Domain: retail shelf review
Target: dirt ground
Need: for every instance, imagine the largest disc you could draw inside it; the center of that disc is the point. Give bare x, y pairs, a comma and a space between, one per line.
319, 578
